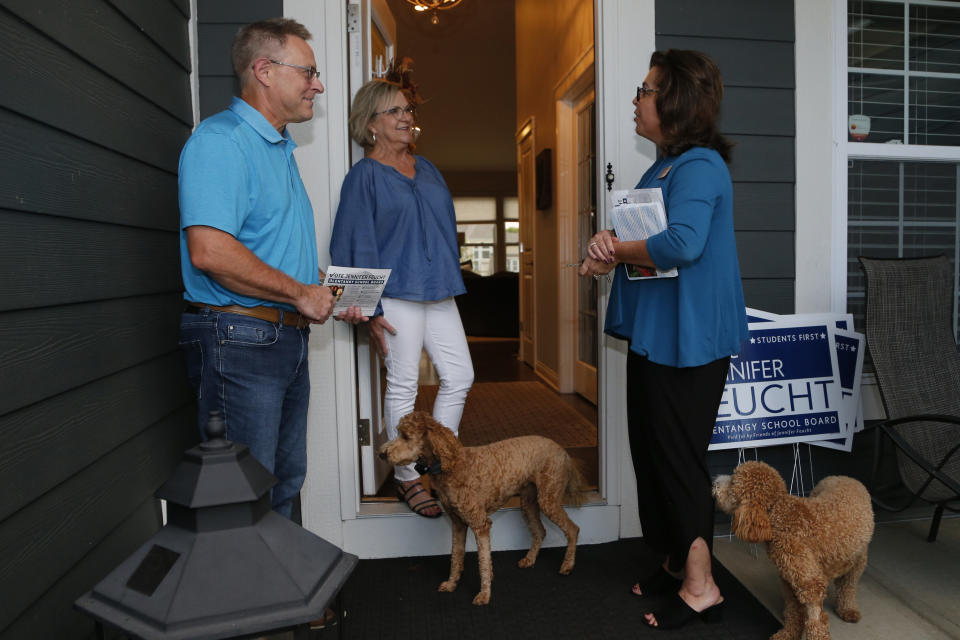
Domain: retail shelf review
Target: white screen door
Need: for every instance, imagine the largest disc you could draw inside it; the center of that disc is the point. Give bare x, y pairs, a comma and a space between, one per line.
371, 45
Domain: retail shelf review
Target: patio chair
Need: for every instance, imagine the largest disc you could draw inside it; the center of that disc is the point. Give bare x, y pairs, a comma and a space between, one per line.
909, 328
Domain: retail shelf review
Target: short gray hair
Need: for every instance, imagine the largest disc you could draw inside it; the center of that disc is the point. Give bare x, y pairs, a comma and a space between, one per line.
372, 97
262, 39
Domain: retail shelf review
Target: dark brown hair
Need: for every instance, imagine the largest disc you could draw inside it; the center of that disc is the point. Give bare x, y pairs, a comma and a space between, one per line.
688, 102
263, 39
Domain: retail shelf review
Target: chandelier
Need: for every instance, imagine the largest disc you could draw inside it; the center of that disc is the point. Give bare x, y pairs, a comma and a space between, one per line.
435, 6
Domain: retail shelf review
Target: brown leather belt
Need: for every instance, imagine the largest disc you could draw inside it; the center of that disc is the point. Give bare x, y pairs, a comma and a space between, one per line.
270, 314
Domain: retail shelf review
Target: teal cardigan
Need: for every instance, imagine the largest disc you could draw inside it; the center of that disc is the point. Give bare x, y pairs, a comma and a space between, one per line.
699, 316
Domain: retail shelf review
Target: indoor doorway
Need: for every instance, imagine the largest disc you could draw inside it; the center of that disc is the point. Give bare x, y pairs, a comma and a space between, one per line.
484, 67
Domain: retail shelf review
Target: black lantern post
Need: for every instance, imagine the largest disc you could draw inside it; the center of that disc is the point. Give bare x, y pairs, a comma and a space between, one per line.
225, 565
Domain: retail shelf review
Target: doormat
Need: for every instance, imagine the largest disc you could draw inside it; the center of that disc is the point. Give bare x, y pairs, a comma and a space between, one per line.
398, 598
500, 410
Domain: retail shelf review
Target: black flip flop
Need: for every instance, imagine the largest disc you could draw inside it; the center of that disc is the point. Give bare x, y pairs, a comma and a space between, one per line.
676, 613
657, 583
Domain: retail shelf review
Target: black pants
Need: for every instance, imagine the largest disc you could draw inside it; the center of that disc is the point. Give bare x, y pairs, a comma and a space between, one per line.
671, 412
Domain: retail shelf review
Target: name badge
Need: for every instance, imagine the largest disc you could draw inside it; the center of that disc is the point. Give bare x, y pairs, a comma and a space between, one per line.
666, 170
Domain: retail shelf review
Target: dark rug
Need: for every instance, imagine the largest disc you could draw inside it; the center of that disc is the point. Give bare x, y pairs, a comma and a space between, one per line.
398, 598
499, 410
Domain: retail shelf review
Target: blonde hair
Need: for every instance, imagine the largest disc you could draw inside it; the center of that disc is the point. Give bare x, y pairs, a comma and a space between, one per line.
263, 39
372, 97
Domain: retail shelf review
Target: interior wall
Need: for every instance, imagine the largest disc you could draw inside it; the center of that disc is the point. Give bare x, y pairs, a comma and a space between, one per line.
465, 70
551, 36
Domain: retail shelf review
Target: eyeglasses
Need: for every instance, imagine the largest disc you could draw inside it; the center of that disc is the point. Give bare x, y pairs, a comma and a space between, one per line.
312, 73
643, 92
397, 112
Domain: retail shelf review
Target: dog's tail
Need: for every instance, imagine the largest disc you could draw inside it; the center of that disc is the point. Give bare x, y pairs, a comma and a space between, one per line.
575, 492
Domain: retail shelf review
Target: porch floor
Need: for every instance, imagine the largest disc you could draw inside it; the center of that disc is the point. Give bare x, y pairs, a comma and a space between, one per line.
909, 590
398, 598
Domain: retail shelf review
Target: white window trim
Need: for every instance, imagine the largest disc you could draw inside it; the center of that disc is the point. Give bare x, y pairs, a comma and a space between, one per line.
842, 150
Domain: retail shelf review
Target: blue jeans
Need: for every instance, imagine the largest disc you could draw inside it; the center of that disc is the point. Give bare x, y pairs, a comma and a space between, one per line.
255, 373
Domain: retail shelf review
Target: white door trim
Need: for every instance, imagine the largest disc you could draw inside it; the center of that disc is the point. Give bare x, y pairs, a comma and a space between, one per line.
625, 38
331, 495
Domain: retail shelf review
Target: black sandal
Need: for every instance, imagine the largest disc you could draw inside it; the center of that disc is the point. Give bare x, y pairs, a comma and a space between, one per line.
676, 613
405, 495
656, 584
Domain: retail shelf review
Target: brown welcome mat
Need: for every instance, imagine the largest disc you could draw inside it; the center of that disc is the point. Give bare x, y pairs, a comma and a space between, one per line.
499, 410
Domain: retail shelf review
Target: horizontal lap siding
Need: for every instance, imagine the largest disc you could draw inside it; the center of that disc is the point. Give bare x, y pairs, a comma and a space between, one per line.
752, 41
217, 23
95, 410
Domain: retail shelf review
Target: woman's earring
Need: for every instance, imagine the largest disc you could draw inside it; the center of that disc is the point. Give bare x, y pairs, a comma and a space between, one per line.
374, 134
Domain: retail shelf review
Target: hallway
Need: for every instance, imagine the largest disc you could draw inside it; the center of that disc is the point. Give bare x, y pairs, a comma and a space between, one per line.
507, 400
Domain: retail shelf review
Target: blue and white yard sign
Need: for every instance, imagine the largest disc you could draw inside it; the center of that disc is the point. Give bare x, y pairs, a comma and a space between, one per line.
783, 386
850, 350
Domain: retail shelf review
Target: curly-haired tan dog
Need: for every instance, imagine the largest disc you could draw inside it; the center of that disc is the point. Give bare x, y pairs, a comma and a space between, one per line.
812, 541
473, 482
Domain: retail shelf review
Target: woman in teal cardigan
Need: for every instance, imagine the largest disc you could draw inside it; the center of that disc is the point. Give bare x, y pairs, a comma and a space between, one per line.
681, 331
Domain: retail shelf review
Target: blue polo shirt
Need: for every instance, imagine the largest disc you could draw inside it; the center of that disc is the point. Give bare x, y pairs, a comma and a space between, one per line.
387, 220
238, 174
699, 316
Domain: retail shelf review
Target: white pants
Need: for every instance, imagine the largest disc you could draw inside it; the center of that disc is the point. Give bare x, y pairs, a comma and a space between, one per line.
436, 328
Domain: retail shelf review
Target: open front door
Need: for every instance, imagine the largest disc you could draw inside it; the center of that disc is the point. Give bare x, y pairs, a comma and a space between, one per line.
526, 176
371, 45
588, 325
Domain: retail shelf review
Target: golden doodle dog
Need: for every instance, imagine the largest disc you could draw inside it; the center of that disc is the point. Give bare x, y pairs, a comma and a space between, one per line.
473, 482
812, 541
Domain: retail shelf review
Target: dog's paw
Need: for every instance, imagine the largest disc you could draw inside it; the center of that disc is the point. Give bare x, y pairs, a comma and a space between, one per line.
525, 563
566, 568
482, 598
447, 586
849, 615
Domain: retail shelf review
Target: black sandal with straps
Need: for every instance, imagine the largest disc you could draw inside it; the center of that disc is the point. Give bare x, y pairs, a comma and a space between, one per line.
406, 495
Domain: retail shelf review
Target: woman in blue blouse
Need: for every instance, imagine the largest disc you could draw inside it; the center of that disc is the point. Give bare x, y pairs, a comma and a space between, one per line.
681, 331
396, 212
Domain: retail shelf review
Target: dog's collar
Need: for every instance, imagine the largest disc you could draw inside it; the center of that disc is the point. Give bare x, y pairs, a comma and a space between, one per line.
432, 468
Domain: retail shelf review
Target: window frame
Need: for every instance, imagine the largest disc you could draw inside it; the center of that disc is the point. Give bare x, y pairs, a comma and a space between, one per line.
846, 150
500, 244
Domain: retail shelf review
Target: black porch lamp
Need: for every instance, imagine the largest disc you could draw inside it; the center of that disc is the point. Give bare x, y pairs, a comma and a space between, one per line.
225, 565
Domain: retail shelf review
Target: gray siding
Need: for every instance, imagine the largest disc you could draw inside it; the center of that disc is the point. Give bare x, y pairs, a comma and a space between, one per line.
217, 23
752, 41
95, 410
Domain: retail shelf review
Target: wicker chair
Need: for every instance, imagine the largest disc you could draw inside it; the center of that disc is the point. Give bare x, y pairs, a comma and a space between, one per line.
910, 336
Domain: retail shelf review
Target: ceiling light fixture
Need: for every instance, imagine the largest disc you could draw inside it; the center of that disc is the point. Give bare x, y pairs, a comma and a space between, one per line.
435, 6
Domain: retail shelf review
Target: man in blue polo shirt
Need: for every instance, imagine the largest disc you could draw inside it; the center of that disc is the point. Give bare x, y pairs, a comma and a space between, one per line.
249, 255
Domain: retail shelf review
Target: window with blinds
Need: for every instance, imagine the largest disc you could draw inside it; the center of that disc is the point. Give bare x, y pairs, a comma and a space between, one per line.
904, 70
898, 209
903, 90
488, 232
